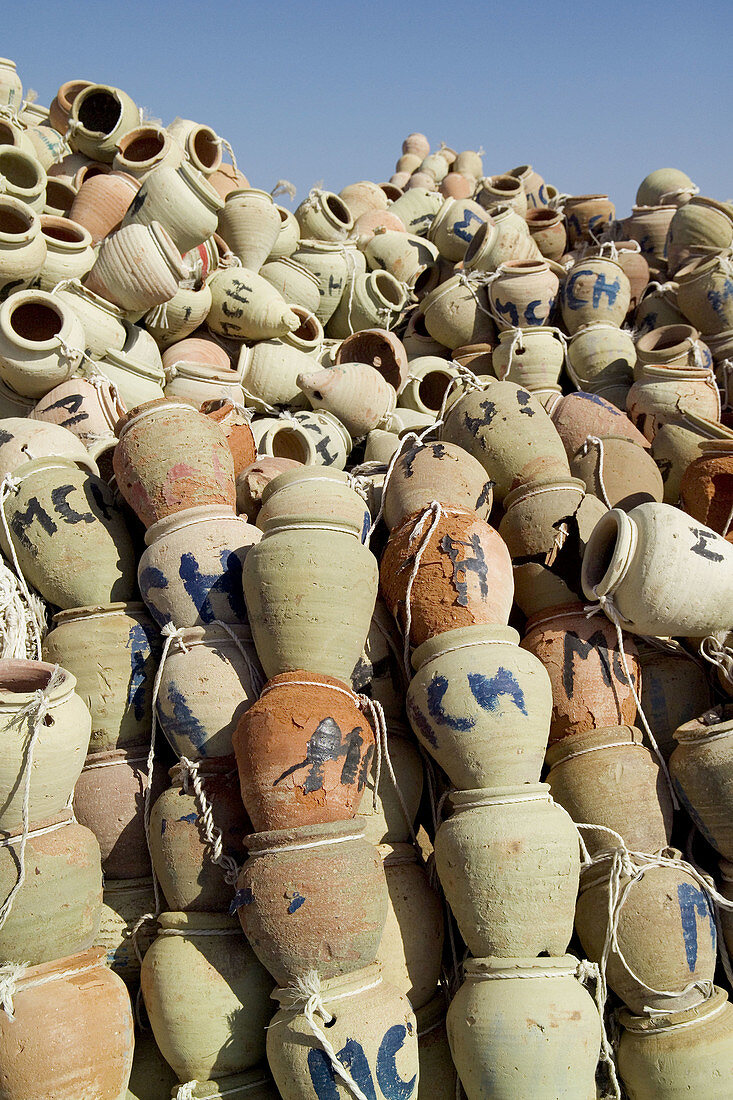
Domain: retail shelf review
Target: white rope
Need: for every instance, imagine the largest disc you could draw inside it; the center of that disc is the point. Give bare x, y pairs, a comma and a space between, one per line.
306, 845
212, 833
230, 151
586, 973
594, 441
409, 437
12, 973
467, 380
726, 366
535, 796
418, 532
379, 724
718, 654
606, 604
517, 341
10, 841
284, 187
188, 932
32, 715
256, 675
37, 618
308, 991
185, 1091
693, 189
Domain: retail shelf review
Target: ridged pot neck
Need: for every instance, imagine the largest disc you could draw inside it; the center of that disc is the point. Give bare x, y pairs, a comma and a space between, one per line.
305, 476
608, 554
333, 989
651, 1026
706, 429
132, 754
462, 638
639, 212
24, 214
531, 335
161, 406
500, 796
306, 837
555, 615
74, 238
20, 680
657, 373
200, 186
605, 737
537, 488
38, 465
93, 959
130, 610
123, 361
310, 245
73, 286
518, 269
197, 922
596, 326
496, 969
249, 193
292, 265
575, 200
714, 723
120, 887
276, 525
181, 521
219, 767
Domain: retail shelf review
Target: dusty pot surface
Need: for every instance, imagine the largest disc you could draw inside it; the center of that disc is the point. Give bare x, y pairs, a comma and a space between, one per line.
297, 902
702, 770
436, 471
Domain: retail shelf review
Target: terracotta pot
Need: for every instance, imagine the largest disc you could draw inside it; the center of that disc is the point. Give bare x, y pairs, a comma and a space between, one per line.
109, 800
666, 185
373, 1032
58, 112
508, 862
203, 958
125, 901
208, 681
331, 262
454, 225
323, 624
76, 996
363, 196
417, 207
113, 652
704, 290
607, 777
463, 577
578, 415
386, 822
303, 752
523, 294
619, 472
490, 425
667, 575
701, 226
601, 358
656, 1061
137, 267
662, 395
323, 216
431, 381
59, 748
435, 471
356, 393
141, 150
506, 190
589, 688
703, 777
182, 857
480, 705
71, 542
191, 571
23, 249
200, 349
301, 912
99, 117
89, 409
380, 348
658, 307
548, 231
526, 1025
596, 289
674, 689
102, 201
40, 342
534, 515
402, 254
58, 907
531, 357
412, 943
250, 224
253, 479
182, 200
170, 457
587, 217
244, 306
534, 185
457, 312
706, 489
102, 322
665, 930
505, 237
235, 425
296, 283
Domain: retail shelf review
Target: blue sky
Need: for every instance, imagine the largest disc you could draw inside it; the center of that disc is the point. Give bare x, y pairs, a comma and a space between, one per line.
593, 95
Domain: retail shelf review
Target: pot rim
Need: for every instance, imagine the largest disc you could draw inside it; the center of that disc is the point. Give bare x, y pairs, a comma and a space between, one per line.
614, 525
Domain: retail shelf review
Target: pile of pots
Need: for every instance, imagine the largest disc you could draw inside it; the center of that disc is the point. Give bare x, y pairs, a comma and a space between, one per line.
366, 653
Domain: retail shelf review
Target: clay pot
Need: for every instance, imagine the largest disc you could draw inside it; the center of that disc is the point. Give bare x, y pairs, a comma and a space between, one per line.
534, 186
198, 144
200, 349
435, 471
587, 217
302, 912
363, 196
59, 748
182, 200
194, 385
607, 777
170, 457
454, 225
379, 348
72, 996
666, 394
102, 322
676, 445
112, 651
203, 958
386, 822
41, 342
578, 415
60, 108
102, 201
58, 907
373, 1030
69, 252
658, 307
656, 1060
109, 799
323, 216
356, 393
245, 306
402, 254
622, 474
322, 623
705, 289
674, 689
530, 357
372, 299
463, 577
508, 863
665, 931
191, 571
667, 575
296, 284
534, 514
666, 185
234, 423
701, 770
523, 293
253, 479
457, 312
60, 194
303, 752
23, 177
125, 901
151, 1078
331, 262
706, 489
143, 149
431, 382
528, 1026
481, 706
417, 208
508, 431
504, 237
23, 248
596, 289
547, 230
71, 543
250, 225
23, 439
100, 116
699, 227
182, 857
589, 688
137, 267
507, 190
208, 681
649, 225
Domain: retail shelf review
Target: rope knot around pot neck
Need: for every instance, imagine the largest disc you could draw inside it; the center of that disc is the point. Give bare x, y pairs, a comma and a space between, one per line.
716, 652
10, 975
185, 1091
212, 833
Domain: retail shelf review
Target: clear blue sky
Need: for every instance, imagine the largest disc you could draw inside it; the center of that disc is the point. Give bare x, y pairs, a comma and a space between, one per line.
594, 95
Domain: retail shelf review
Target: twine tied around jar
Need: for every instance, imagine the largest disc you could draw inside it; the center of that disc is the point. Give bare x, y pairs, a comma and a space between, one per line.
12, 973
23, 612
714, 650
212, 833
185, 1091
594, 441
32, 714
284, 187
424, 535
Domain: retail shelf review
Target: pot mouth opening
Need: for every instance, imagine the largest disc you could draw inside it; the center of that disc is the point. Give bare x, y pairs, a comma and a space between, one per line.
596, 566
521, 170
19, 169
38, 322
14, 222
25, 677
61, 229
544, 214
206, 148
389, 288
100, 112
7, 134
391, 191
309, 327
584, 198
289, 442
59, 195
668, 336
338, 209
142, 145
477, 241
419, 327
431, 390
505, 183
